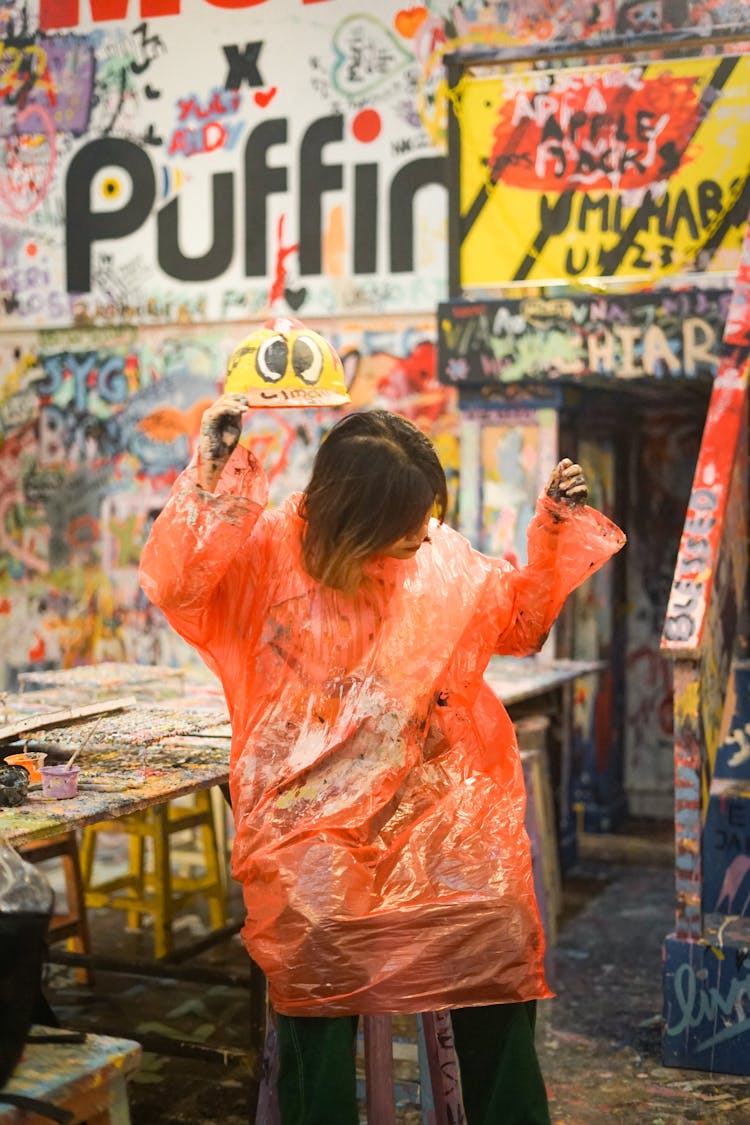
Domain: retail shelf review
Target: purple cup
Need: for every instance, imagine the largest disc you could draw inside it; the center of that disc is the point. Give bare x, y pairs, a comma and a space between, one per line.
59, 782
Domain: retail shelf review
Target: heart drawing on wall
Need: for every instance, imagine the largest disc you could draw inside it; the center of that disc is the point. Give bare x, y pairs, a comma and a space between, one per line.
28, 162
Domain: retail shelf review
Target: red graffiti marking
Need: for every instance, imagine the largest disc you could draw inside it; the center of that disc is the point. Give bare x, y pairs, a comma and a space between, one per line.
596, 132
282, 253
216, 106
263, 98
29, 164
409, 20
66, 13
366, 125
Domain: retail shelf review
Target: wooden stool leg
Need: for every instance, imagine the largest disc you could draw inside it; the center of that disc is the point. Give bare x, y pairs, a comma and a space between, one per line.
118, 1113
88, 855
267, 1111
214, 865
71, 926
220, 808
136, 849
76, 895
162, 876
381, 1102
439, 1080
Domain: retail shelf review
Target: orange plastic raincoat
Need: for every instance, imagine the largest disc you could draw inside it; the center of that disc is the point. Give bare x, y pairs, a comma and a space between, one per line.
375, 778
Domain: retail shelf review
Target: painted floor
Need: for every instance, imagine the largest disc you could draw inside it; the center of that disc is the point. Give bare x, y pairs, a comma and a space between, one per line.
599, 1040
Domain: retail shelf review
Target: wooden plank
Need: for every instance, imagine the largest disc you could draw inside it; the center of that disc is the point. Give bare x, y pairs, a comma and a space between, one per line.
67, 715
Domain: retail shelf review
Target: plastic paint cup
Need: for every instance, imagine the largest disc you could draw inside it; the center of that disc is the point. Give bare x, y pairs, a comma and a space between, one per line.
32, 763
59, 781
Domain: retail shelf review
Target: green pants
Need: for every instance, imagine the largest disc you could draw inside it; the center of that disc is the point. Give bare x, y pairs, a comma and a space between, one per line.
500, 1076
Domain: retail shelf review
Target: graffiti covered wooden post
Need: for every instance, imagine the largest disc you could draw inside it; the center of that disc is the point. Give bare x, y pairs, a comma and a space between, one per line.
706, 976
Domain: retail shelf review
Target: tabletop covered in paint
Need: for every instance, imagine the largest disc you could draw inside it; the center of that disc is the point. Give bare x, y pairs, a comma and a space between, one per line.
514, 679
107, 795
49, 1070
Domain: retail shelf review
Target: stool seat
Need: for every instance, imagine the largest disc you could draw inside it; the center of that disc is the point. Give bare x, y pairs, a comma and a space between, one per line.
87, 1079
151, 886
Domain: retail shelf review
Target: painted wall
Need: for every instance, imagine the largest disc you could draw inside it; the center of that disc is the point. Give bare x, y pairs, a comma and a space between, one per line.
96, 424
204, 160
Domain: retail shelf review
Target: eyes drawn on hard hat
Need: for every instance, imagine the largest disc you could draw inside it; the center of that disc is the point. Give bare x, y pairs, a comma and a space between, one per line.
284, 363
306, 359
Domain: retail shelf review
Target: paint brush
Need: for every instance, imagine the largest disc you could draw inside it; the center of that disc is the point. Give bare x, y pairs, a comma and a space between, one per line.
85, 742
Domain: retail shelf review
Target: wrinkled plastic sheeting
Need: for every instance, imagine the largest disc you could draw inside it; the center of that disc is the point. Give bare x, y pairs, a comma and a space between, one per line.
376, 784
24, 889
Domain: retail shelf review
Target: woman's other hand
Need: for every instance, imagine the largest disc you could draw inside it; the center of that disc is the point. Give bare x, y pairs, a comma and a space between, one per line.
221, 426
568, 482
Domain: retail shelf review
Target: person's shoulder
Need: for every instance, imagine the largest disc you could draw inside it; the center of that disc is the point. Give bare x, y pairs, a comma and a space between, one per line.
282, 524
448, 540
287, 512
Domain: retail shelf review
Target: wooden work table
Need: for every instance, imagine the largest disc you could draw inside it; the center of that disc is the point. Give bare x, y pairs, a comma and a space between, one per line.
527, 686
127, 762
528, 679
39, 818
535, 686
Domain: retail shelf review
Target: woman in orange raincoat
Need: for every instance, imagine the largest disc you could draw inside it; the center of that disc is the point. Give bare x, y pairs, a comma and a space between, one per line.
375, 778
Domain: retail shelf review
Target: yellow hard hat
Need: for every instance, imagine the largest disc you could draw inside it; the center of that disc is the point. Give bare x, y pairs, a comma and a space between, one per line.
285, 363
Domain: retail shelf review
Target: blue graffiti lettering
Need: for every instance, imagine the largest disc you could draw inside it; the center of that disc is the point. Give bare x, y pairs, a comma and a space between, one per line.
707, 1004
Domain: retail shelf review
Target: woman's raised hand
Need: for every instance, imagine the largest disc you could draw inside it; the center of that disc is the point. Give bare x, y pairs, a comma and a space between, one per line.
221, 426
568, 482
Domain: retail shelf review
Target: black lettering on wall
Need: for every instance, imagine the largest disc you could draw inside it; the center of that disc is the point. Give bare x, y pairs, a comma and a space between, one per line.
316, 178
260, 182
243, 65
84, 227
365, 235
404, 186
217, 258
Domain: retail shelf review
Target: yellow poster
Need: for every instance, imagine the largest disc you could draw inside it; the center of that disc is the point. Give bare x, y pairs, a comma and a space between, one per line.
621, 171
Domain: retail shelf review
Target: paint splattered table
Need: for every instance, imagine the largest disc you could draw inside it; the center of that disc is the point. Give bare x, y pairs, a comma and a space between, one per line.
129, 760
88, 1079
109, 796
517, 680
90, 681
538, 687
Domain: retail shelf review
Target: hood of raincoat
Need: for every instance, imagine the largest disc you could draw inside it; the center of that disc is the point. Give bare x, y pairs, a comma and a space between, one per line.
375, 778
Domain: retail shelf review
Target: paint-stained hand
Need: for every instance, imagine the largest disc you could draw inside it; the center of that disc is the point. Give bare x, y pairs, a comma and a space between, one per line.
568, 483
221, 426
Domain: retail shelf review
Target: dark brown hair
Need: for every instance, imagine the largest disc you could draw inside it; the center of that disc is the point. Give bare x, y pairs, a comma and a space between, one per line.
374, 478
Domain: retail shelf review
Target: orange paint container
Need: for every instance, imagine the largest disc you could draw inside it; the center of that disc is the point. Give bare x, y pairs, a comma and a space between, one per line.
32, 763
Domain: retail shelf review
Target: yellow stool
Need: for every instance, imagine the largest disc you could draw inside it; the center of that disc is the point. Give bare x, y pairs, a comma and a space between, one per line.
157, 890
72, 925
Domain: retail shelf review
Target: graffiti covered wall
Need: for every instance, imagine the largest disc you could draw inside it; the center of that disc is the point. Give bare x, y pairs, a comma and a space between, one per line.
207, 164
174, 160
631, 172
94, 426
172, 172
592, 339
